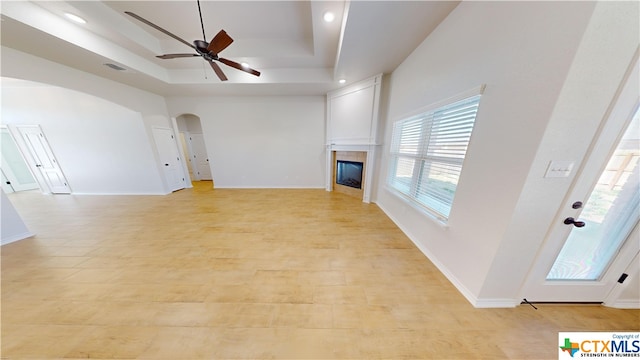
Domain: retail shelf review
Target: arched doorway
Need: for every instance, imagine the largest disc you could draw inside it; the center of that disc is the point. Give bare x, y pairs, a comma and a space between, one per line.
194, 147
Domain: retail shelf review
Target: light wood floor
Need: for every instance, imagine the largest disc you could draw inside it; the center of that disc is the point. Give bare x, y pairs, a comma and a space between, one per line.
265, 274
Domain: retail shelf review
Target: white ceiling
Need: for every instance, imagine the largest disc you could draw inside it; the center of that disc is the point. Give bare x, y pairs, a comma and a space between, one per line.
295, 50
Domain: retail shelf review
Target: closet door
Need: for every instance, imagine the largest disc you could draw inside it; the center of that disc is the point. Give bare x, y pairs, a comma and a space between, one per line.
43, 159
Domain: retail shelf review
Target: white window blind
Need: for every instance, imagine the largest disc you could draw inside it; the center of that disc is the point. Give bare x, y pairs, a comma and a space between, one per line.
427, 152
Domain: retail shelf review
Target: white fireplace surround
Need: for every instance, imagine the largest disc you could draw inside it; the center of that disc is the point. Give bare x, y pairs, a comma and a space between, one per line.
352, 125
367, 176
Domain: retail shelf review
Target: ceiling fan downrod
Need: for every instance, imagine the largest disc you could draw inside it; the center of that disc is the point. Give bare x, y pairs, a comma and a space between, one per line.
204, 37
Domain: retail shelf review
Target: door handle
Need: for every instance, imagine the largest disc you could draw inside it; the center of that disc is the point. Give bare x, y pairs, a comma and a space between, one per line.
166, 164
574, 222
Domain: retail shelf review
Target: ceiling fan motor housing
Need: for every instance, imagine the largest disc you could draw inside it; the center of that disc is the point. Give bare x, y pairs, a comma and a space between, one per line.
201, 48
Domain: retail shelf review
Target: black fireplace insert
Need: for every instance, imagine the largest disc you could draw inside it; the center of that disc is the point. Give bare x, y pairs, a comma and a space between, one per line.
349, 173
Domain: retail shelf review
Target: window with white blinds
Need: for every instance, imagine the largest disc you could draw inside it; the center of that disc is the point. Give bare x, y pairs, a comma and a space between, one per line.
427, 152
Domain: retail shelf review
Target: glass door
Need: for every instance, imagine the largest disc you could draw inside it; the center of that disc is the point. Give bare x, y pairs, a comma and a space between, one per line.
15, 171
608, 216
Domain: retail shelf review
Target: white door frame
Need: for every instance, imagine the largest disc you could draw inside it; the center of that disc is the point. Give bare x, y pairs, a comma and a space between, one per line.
185, 169
187, 154
613, 299
206, 164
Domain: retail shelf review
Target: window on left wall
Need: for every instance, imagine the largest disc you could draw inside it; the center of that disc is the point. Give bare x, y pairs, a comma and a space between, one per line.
427, 152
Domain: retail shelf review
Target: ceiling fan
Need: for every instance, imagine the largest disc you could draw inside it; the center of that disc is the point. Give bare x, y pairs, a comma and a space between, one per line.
208, 51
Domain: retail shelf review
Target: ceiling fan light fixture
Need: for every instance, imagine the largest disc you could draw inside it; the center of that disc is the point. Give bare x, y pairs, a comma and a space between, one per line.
329, 16
75, 18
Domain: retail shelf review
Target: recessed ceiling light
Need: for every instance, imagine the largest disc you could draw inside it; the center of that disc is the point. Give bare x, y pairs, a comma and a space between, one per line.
328, 16
342, 81
75, 18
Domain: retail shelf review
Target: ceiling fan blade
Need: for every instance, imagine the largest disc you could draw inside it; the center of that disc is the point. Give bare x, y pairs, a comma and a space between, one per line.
218, 71
141, 19
219, 42
236, 65
173, 56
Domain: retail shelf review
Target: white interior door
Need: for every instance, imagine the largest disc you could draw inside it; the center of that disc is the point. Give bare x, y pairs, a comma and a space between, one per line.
186, 153
596, 236
200, 156
43, 159
15, 171
169, 157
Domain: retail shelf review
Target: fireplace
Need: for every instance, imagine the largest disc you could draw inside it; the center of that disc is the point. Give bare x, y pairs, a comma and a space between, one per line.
359, 155
349, 173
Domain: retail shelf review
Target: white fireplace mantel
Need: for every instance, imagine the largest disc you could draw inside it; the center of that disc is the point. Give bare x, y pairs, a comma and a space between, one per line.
352, 125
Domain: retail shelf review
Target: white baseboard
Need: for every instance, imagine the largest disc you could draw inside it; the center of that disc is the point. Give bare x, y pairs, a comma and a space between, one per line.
117, 194
16, 237
285, 187
624, 304
478, 303
496, 303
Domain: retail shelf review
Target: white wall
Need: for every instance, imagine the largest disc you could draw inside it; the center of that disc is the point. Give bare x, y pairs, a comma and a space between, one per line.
19, 65
12, 228
522, 51
247, 137
261, 142
189, 123
101, 147
353, 113
103, 111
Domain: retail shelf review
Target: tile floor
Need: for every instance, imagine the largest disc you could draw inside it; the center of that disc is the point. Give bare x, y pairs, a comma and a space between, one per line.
249, 274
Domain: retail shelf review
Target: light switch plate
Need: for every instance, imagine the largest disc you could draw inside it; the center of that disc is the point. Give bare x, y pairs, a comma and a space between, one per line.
559, 168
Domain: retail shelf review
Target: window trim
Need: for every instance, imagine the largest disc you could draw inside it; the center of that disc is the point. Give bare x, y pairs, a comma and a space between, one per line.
392, 156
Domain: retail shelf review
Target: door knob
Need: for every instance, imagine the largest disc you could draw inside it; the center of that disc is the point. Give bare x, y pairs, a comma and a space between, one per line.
570, 221
166, 164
